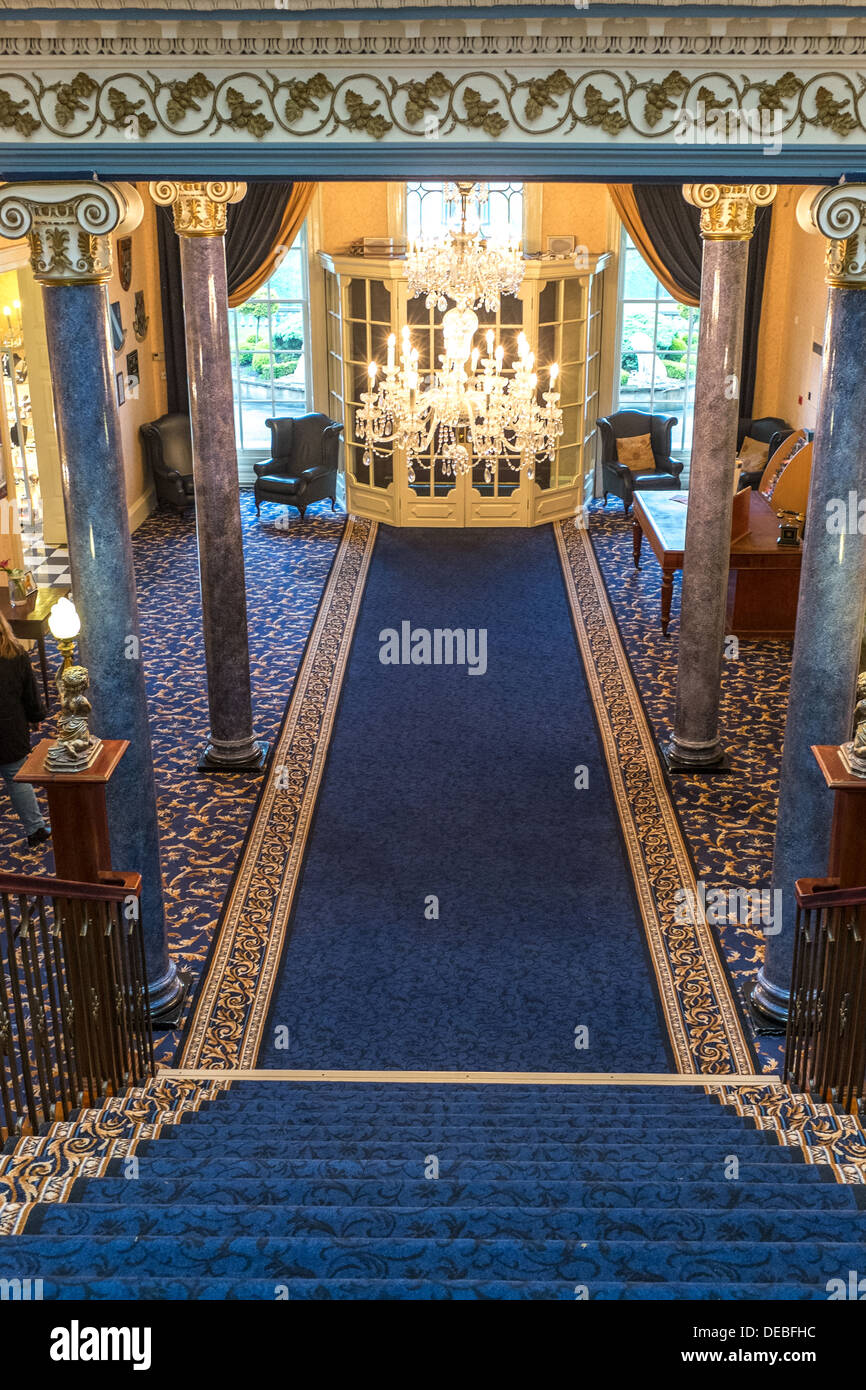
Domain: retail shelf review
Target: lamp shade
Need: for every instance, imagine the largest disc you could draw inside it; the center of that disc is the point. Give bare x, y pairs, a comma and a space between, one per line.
63, 620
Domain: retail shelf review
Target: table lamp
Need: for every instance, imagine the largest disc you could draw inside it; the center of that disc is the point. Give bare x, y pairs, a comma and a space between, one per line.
65, 625
75, 748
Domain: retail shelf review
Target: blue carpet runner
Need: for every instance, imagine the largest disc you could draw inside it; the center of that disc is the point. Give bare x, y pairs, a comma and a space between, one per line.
442, 783
358, 1191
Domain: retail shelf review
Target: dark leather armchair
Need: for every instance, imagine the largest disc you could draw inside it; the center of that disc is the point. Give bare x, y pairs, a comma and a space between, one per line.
167, 445
623, 481
768, 429
303, 465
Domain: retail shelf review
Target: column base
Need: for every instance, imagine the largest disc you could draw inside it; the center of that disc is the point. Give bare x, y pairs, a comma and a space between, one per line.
169, 1015
166, 993
770, 1002
676, 759
214, 760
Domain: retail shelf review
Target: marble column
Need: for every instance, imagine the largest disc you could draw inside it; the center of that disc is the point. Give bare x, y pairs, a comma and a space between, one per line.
200, 222
727, 222
68, 226
833, 579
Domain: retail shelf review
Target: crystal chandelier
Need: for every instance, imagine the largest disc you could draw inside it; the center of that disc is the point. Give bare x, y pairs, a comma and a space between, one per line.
470, 399
462, 265
500, 415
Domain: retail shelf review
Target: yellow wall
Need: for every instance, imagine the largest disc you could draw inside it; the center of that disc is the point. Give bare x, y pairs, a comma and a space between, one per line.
792, 318
151, 398
352, 210
578, 209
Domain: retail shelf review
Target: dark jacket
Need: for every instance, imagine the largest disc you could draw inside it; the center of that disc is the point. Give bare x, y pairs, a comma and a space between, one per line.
20, 706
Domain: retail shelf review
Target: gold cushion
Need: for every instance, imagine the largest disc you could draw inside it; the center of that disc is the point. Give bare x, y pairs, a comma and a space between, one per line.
753, 454
636, 453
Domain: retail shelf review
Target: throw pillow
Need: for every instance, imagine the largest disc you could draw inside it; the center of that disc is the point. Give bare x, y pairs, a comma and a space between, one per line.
636, 453
753, 454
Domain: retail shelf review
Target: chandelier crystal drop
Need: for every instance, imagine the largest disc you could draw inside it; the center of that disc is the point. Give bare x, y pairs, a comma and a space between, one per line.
463, 266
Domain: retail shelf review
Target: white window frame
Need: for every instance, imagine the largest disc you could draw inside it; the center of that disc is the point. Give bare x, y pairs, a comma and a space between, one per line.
679, 444
250, 454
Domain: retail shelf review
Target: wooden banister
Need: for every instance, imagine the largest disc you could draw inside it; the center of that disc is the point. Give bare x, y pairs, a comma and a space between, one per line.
112, 886
825, 892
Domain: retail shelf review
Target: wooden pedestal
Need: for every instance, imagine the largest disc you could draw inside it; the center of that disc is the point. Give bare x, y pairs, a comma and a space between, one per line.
77, 810
848, 833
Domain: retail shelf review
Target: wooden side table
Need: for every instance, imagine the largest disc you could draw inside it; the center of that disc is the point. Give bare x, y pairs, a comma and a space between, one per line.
30, 621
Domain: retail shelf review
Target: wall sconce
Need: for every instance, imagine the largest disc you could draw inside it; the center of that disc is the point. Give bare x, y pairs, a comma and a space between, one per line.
75, 748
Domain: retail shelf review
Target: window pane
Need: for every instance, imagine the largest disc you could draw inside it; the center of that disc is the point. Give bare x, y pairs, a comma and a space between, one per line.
288, 281
658, 348
269, 338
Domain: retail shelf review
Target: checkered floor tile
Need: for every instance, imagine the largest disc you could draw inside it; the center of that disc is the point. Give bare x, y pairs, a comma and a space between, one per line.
48, 563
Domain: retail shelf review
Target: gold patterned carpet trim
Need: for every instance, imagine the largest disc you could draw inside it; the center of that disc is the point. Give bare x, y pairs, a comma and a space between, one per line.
699, 1011
232, 1006
480, 1078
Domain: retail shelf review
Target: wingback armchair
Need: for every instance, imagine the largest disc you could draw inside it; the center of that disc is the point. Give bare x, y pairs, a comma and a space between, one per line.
167, 445
303, 463
624, 481
771, 430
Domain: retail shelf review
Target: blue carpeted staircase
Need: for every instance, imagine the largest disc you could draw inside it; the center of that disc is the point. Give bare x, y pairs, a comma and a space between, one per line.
330, 1190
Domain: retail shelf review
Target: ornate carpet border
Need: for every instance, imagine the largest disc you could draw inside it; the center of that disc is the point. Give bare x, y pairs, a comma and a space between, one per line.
701, 1018
232, 1006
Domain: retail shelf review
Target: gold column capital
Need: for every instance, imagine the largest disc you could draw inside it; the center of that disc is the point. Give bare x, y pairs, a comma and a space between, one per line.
68, 226
838, 213
728, 209
199, 208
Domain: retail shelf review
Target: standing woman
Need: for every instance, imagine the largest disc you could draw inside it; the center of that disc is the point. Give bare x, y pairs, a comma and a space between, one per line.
20, 706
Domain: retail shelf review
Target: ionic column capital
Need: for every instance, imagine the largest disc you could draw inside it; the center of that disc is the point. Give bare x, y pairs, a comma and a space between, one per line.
68, 226
199, 208
838, 214
728, 209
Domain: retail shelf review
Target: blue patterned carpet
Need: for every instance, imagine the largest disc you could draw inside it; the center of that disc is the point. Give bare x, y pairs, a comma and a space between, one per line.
729, 821
442, 783
203, 820
279, 1190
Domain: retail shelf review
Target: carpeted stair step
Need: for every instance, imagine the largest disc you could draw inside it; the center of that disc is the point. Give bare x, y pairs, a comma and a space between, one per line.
767, 1164
760, 1146
323, 1257
397, 1099
493, 1127
267, 1290
182, 1221
609, 1092
605, 1194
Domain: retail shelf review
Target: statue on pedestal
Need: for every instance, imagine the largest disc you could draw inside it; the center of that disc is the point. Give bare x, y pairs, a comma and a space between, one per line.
75, 748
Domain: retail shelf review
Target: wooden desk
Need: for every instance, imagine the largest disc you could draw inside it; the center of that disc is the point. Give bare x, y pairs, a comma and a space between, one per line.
30, 621
764, 577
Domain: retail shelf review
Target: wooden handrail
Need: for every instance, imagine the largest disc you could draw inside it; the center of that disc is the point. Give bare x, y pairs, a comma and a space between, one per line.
113, 886
825, 892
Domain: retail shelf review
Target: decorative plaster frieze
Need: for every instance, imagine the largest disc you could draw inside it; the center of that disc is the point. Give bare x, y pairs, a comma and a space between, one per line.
579, 38
523, 101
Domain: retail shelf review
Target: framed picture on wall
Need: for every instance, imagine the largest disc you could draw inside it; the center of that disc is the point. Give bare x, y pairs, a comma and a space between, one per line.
132, 373
120, 387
